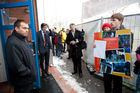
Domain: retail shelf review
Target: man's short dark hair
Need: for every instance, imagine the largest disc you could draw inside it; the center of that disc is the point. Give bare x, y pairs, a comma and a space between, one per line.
43, 24
17, 23
118, 16
72, 24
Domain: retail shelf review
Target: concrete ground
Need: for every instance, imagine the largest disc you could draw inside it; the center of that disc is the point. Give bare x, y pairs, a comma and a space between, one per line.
92, 83
57, 83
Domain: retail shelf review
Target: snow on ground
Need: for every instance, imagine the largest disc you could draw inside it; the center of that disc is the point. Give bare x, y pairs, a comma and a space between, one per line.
58, 63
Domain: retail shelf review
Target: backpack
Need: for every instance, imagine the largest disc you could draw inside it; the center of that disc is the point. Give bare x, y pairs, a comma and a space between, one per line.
137, 63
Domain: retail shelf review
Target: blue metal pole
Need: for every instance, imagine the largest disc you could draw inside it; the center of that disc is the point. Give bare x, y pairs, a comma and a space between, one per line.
17, 4
5, 13
7, 16
33, 29
3, 41
8, 27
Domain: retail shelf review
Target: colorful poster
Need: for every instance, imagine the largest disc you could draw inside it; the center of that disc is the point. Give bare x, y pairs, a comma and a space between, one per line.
117, 55
112, 43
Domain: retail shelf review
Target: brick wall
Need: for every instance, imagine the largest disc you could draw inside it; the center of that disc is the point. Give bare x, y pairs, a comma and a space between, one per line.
19, 13
36, 16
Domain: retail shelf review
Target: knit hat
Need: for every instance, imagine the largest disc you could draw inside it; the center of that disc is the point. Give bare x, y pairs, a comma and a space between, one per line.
106, 25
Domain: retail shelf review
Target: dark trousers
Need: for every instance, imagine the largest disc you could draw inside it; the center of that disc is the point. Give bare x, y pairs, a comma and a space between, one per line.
24, 89
53, 50
110, 80
77, 64
45, 56
69, 53
64, 46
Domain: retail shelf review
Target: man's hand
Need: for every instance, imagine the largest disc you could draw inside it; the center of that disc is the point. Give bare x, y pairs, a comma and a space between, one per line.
48, 26
73, 42
131, 76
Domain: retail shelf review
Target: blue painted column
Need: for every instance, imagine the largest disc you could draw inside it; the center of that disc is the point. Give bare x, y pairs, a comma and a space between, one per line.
3, 41
33, 29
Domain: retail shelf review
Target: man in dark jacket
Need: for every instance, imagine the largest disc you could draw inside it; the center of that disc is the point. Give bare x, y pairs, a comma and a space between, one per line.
116, 24
68, 46
20, 60
53, 39
74, 38
44, 46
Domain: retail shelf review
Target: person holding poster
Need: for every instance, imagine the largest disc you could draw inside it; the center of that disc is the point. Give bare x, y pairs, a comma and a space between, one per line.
116, 24
109, 79
105, 27
115, 61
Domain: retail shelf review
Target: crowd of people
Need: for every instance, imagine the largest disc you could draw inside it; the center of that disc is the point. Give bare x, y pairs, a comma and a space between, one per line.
21, 64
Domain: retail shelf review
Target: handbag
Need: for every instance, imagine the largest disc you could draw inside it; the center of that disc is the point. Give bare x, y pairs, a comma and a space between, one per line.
83, 45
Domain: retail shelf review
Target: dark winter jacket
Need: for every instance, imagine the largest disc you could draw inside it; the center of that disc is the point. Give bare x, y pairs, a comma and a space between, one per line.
20, 60
53, 37
40, 41
59, 45
76, 50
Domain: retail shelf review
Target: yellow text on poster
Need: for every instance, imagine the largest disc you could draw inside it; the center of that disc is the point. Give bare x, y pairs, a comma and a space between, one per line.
120, 32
